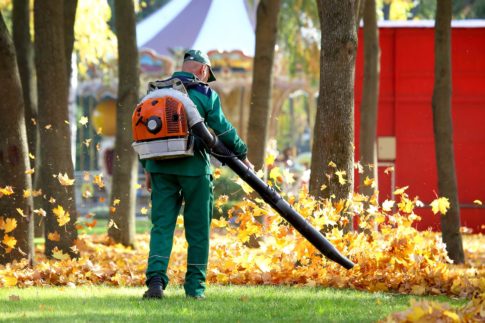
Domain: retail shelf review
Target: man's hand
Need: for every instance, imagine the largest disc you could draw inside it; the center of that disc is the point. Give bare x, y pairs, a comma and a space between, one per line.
148, 182
248, 163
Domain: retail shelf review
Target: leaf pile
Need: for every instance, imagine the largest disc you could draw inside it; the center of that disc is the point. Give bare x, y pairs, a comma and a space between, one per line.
396, 257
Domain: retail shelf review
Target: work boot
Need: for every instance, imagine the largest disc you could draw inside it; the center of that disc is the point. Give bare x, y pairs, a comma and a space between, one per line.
155, 288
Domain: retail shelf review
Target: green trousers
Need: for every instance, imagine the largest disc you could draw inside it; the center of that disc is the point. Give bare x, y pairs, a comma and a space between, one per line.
168, 192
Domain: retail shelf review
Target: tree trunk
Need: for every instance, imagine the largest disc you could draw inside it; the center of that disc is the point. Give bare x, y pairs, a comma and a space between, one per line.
14, 160
370, 95
25, 62
69, 19
261, 89
443, 132
125, 162
52, 84
334, 125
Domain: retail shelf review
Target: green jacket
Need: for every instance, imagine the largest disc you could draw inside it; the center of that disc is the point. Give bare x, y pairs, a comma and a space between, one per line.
209, 105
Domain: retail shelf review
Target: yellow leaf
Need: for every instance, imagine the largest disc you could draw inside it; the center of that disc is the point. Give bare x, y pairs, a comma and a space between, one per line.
144, 210
137, 186
332, 164
87, 142
7, 190
246, 188
54, 236
58, 254
98, 180
401, 190
61, 215
31, 156
269, 160
341, 174
48, 126
40, 212
65, 180
389, 169
116, 202
27, 194
30, 171
276, 175
8, 225
452, 315
478, 202
84, 120
21, 212
323, 187
9, 241
369, 181
441, 204
416, 314
387, 205
9, 280
112, 223
221, 223
217, 173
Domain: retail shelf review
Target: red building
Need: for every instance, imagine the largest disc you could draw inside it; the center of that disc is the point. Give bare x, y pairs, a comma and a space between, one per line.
405, 124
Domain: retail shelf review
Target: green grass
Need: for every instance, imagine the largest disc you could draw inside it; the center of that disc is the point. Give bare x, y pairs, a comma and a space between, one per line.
223, 304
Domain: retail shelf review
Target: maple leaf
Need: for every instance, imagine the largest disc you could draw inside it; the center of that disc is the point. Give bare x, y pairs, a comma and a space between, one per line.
369, 182
87, 142
7, 190
387, 205
59, 255
40, 212
112, 223
217, 173
477, 202
31, 156
10, 281
21, 212
8, 225
400, 191
341, 174
65, 180
144, 210
116, 202
221, 223
98, 180
441, 204
54, 236
276, 175
48, 127
9, 241
389, 169
62, 216
30, 171
332, 164
83, 120
269, 160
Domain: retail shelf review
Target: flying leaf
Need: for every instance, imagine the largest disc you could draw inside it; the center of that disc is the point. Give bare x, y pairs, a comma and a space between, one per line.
9, 241
401, 190
269, 160
40, 212
7, 190
332, 164
31, 156
30, 171
58, 254
217, 173
246, 188
112, 223
61, 215
21, 212
441, 204
341, 174
8, 225
48, 127
387, 205
84, 120
477, 202
98, 180
65, 180
54, 236
389, 169
369, 181
87, 142
116, 202
144, 210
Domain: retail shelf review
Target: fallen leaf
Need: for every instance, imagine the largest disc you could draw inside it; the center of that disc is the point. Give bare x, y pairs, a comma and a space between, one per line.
54, 236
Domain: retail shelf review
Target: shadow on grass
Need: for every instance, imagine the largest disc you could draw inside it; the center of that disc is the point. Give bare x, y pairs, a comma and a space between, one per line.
223, 304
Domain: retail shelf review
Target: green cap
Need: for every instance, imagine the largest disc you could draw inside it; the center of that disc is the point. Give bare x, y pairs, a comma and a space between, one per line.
198, 56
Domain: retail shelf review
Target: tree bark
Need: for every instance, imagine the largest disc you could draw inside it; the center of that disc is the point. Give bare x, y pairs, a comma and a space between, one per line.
125, 162
261, 88
14, 160
25, 61
52, 82
443, 132
334, 125
70, 7
370, 95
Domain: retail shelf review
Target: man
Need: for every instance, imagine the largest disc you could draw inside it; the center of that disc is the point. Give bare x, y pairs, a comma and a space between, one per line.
187, 179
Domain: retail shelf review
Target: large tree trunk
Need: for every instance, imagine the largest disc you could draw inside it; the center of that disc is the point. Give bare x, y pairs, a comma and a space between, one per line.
443, 132
70, 7
333, 139
125, 162
370, 95
52, 84
25, 62
14, 160
261, 89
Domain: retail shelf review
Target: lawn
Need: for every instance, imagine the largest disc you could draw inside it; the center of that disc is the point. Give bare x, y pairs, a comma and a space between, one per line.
223, 304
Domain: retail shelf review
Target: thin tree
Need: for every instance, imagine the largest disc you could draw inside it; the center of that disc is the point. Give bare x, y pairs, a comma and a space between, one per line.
16, 240
370, 95
443, 132
125, 162
261, 88
25, 61
333, 142
55, 155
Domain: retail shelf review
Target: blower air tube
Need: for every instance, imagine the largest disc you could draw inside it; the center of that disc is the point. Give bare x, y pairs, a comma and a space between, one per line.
269, 195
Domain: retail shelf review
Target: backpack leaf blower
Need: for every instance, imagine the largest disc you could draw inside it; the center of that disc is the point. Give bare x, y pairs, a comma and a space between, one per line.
151, 142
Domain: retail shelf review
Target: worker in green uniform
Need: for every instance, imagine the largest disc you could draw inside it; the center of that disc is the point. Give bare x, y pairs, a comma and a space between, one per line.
187, 180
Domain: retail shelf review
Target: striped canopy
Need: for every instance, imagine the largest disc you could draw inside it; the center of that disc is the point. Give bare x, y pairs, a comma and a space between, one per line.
206, 25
